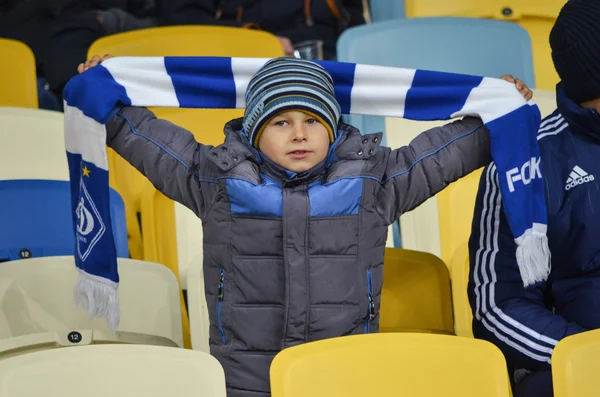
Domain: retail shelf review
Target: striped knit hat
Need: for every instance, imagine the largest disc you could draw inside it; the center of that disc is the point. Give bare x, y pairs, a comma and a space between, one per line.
290, 84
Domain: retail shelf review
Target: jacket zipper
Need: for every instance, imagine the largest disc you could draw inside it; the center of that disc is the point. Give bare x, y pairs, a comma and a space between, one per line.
221, 295
371, 311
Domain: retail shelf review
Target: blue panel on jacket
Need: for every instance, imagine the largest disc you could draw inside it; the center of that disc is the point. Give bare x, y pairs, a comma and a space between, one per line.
247, 198
341, 197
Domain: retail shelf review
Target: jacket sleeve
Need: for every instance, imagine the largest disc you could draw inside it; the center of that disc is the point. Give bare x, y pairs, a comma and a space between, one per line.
514, 318
166, 154
432, 161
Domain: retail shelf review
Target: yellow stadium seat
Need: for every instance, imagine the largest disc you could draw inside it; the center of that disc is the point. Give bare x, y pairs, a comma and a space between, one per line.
455, 213
536, 16
19, 159
391, 365
199, 321
459, 275
17, 75
416, 293
113, 370
576, 364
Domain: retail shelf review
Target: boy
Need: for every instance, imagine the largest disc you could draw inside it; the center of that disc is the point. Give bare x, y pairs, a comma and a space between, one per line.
295, 208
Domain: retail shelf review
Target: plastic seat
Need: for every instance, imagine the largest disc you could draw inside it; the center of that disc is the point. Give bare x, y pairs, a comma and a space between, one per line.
36, 219
33, 144
487, 48
536, 16
37, 309
17, 75
199, 321
391, 365
20, 159
383, 10
118, 371
459, 274
416, 293
575, 365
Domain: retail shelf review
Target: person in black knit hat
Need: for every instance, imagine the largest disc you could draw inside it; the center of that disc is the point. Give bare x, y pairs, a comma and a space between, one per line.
527, 323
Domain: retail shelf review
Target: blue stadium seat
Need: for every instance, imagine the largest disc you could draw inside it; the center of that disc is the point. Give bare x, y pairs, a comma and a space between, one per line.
383, 10
459, 45
36, 220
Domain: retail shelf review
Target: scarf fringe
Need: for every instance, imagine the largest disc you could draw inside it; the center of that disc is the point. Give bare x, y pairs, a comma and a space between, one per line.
533, 257
99, 297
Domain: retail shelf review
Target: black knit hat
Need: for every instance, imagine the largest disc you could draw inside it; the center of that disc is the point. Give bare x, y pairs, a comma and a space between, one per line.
575, 43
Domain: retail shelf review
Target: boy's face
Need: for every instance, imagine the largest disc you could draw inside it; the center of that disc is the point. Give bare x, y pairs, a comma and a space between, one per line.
294, 140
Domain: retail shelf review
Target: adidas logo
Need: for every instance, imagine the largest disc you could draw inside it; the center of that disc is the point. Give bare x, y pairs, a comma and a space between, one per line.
578, 177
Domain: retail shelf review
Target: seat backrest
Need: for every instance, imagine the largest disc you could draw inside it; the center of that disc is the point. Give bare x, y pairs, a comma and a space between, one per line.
32, 144
115, 370
458, 45
36, 219
29, 135
459, 275
17, 75
391, 365
536, 16
206, 124
416, 293
418, 229
36, 296
575, 365
455, 213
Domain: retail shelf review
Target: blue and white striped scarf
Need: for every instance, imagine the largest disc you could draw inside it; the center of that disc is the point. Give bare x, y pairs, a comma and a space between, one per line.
92, 98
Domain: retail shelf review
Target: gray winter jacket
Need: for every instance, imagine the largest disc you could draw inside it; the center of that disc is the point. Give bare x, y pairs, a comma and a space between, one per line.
292, 258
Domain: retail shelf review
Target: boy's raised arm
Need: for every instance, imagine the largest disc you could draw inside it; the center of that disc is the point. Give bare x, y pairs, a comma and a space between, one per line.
432, 161
163, 152
166, 154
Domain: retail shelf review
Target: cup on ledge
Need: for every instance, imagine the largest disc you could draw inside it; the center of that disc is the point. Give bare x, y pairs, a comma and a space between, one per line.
310, 49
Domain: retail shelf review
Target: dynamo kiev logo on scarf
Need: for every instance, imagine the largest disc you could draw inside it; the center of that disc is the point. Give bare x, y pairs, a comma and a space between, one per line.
90, 227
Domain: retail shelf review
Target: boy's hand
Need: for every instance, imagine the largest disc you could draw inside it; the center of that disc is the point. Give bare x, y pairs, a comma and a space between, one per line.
521, 86
92, 62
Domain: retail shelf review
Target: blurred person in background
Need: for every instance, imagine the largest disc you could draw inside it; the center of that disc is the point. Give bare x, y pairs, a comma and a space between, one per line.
59, 32
293, 21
